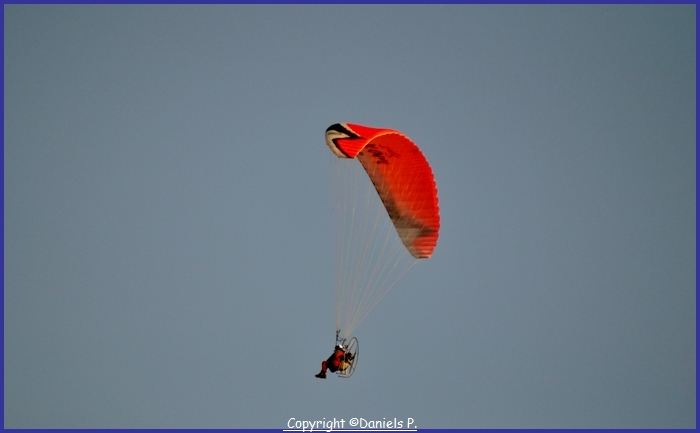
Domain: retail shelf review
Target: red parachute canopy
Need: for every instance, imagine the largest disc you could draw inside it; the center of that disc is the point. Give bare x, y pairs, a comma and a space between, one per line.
402, 176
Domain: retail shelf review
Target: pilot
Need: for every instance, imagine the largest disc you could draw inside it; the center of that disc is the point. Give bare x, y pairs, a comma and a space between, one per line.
333, 362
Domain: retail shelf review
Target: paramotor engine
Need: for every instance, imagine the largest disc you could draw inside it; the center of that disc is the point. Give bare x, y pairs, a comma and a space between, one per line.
349, 360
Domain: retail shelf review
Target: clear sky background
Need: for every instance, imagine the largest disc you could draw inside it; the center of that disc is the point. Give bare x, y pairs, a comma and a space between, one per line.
168, 214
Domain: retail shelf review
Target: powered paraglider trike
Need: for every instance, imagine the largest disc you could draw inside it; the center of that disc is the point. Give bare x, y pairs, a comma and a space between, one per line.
380, 173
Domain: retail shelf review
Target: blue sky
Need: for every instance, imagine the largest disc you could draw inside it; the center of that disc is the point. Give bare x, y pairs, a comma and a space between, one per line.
168, 214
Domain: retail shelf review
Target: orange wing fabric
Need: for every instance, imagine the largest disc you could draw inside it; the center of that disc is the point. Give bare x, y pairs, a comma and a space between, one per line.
402, 177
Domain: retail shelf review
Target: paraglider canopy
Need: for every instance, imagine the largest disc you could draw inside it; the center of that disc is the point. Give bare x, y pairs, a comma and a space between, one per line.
370, 164
402, 177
